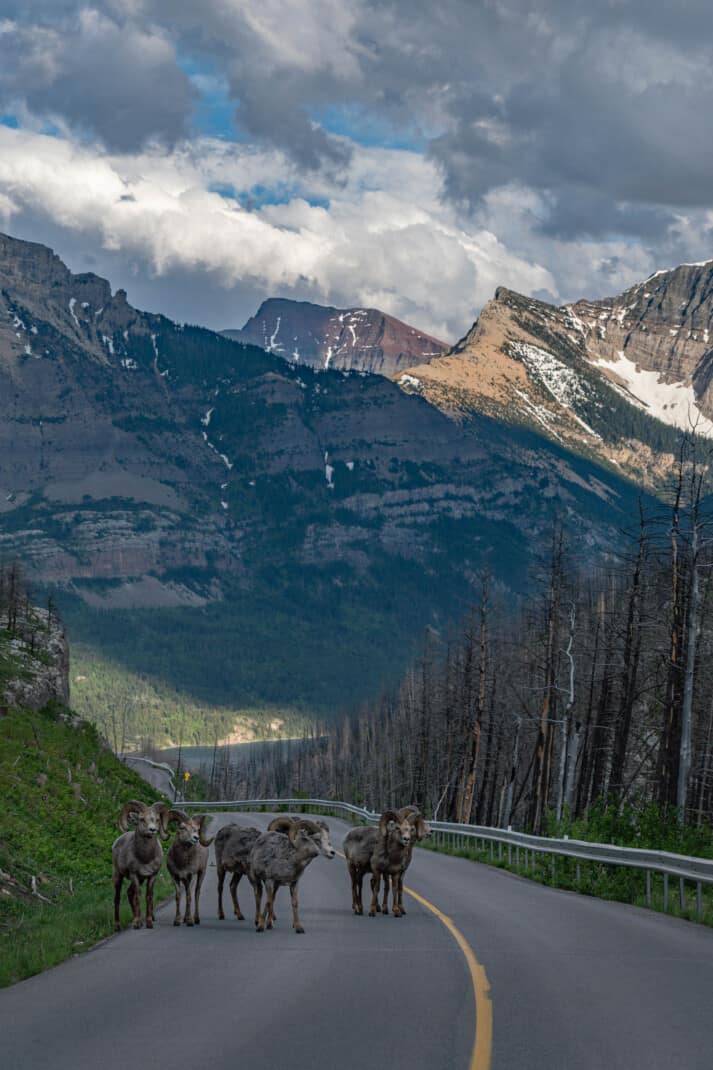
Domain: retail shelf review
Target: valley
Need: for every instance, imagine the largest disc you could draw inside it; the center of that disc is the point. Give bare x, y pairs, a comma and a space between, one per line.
297, 529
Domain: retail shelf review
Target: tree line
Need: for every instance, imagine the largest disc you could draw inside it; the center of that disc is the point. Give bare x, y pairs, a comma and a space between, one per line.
19, 617
594, 688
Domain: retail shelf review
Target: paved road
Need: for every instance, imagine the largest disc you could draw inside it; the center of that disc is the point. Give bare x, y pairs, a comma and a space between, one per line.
577, 984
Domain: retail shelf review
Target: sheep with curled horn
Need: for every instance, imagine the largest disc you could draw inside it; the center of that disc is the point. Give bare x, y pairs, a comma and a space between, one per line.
421, 831
187, 860
379, 851
233, 844
283, 823
137, 856
278, 859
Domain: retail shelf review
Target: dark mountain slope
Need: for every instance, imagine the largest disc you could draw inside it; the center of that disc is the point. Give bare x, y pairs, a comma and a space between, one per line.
247, 530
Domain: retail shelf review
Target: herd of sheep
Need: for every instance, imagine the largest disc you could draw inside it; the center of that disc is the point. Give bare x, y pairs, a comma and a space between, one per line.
268, 859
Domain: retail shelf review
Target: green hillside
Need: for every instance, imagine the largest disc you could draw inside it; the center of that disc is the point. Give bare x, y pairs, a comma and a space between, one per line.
60, 793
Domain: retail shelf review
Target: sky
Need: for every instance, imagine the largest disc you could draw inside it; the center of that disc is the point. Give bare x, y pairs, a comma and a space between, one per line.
400, 154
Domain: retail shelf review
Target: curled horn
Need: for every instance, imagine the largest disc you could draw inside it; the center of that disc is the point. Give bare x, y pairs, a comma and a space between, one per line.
411, 812
297, 826
423, 829
176, 815
388, 815
281, 824
133, 806
201, 830
162, 811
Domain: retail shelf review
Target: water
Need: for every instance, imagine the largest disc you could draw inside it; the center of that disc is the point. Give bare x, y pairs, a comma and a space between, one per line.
200, 759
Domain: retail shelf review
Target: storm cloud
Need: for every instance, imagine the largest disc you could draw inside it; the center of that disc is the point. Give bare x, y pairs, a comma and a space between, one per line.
563, 147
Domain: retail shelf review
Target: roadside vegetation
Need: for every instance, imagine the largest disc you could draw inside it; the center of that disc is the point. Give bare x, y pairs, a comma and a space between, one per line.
61, 790
651, 826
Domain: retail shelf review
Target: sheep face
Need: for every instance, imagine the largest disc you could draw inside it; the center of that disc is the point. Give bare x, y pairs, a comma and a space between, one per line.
401, 831
147, 822
188, 832
319, 839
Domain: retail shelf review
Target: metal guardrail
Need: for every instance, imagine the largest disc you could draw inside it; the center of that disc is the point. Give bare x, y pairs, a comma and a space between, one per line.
684, 867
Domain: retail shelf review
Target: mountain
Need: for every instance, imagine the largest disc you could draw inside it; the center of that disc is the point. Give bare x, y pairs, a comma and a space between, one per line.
614, 379
352, 339
246, 531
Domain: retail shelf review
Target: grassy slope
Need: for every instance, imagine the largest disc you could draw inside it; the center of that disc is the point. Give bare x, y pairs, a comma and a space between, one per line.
129, 706
57, 831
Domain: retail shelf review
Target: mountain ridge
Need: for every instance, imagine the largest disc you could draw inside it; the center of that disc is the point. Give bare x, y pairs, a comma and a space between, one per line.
294, 529
615, 379
322, 336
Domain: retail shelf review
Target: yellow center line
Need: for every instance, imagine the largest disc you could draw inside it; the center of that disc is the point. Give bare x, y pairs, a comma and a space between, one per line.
483, 1046
481, 1056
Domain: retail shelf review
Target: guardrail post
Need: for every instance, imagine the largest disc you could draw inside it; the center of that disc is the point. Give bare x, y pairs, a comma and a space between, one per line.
699, 901
492, 850
517, 857
648, 887
554, 869
578, 876
665, 892
509, 854
681, 894
500, 850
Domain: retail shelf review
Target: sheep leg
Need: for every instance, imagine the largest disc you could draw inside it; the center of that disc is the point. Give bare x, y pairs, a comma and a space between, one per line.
177, 919
118, 881
401, 894
374, 907
385, 904
234, 882
134, 895
269, 898
196, 898
356, 878
221, 882
187, 919
257, 888
296, 924
149, 900
270, 909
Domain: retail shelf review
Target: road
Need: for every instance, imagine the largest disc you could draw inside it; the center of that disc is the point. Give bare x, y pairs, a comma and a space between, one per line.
576, 984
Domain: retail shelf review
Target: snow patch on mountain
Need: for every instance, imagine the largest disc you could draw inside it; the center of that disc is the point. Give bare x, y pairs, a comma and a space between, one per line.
672, 403
559, 380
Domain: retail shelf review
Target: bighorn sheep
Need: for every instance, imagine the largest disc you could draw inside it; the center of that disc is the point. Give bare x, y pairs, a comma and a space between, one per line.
380, 851
137, 856
233, 844
278, 859
421, 831
187, 858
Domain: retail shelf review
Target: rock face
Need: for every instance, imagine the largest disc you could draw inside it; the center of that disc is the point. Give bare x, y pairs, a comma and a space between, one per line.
145, 465
613, 379
40, 654
352, 339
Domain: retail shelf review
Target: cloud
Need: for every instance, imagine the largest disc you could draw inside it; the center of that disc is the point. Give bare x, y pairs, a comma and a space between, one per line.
560, 148
120, 83
385, 238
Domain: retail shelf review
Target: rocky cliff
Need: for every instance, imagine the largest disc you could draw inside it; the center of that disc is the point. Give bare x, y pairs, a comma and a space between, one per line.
352, 339
614, 379
34, 661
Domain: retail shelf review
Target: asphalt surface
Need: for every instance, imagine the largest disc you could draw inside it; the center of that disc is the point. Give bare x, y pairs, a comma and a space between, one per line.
576, 984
